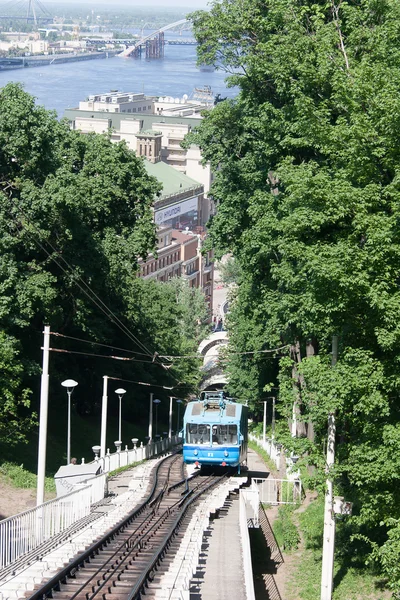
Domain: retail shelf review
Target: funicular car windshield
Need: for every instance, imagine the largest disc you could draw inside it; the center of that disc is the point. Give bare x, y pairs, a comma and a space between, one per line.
224, 434
197, 433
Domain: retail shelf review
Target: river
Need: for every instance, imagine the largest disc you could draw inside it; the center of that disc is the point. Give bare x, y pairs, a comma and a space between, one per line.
62, 86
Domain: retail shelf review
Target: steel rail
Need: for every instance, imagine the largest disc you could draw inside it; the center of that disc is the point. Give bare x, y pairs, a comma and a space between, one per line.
138, 589
140, 543
54, 583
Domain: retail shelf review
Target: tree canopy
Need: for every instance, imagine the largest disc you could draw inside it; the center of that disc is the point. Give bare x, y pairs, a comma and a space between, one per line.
307, 164
76, 215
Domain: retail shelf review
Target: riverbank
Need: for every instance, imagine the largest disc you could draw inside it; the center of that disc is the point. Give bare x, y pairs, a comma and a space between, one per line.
8, 64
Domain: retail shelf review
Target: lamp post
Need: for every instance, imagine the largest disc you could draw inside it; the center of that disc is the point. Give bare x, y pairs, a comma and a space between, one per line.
120, 392
179, 402
156, 401
70, 384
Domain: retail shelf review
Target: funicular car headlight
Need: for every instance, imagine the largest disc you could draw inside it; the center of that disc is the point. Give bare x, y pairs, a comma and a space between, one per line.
226, 453
195, 452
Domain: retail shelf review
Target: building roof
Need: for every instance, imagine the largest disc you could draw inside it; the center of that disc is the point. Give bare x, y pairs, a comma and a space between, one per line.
148, 133
173, 181
183, 238
147, 120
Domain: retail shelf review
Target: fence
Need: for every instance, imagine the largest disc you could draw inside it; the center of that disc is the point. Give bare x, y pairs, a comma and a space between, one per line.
276, 452
123, 458
245, 542
278, 491
251, 498
26, 531
272, 449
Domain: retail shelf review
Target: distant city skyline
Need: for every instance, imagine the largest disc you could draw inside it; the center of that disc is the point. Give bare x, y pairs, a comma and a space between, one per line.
190, 6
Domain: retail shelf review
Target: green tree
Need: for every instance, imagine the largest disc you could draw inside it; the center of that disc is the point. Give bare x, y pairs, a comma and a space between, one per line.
307, 161
76, 215
75, 212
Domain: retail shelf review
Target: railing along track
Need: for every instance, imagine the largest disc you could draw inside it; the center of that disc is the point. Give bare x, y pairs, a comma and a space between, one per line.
126, 557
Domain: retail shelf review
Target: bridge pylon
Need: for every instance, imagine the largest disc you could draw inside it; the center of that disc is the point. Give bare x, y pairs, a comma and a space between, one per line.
26, 10
155, 47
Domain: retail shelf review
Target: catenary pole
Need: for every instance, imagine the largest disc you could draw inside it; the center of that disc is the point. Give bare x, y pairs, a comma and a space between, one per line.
328, 549
264, 421
104, 417
170, 417
151, 418
44, 404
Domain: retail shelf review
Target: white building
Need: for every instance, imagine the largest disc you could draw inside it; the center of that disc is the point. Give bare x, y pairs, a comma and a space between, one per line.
118, 102
128, 115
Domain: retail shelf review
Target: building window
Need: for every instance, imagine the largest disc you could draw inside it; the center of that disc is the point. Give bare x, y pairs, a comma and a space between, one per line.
133, 109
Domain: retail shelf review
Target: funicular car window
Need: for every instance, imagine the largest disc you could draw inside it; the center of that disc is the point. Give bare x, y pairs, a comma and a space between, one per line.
198, 433
224, 434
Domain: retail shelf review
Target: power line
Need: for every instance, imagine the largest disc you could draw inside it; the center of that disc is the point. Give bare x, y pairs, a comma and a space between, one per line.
129, 359
164, 387
171, 357
94, 298
69, 337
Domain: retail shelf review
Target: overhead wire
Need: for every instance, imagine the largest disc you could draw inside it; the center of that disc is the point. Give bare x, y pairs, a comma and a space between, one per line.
63, 351
94, 298
70, 337
165, 387
113, 317
173, 357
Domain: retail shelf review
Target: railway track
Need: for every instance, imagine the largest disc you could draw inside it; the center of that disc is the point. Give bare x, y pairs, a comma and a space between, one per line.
122, 564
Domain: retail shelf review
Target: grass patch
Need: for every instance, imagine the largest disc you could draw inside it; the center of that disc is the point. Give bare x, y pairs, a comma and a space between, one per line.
265, 456
350, 582
19, 477
285, 530
126, 468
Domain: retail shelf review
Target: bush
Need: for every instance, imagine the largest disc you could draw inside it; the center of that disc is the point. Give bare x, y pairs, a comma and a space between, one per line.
285, 530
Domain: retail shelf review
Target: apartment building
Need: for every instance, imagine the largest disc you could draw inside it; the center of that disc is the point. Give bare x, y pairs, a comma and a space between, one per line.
179, 255
178, 213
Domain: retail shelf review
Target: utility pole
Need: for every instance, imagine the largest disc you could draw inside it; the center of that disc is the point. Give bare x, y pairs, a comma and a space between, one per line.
328, 550
170, 418
44, 404
273, 418
264, 421
151, 418
104, 418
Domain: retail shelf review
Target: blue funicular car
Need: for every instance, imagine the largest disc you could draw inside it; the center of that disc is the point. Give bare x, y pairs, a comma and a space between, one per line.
215, 431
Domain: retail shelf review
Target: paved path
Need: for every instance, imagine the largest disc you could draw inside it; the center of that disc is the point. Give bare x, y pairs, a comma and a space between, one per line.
220, 574
257, 467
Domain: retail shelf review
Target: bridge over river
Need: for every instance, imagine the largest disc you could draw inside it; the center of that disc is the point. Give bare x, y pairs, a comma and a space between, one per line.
154, 43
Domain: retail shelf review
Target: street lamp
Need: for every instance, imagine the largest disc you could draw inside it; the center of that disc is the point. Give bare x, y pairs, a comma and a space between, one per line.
70, 384
156, 401
120, 392
179, 402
